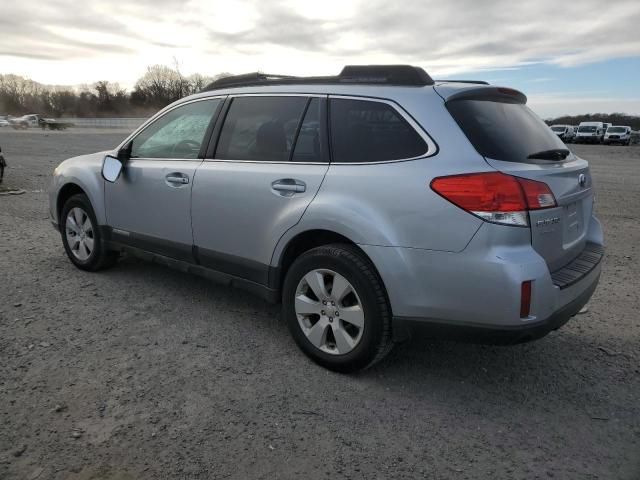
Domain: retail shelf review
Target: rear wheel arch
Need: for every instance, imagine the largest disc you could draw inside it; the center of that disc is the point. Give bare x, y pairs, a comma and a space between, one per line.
308, 240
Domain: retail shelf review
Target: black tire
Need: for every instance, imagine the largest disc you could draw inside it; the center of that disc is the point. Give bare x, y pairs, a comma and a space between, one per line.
348, 261
100, 258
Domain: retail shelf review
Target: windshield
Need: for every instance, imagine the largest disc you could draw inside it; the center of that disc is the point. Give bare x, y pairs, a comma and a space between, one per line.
587, 129
616, 130
503, 131
558, 129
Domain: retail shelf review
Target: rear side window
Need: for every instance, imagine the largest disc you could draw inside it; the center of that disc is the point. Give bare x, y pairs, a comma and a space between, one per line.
308, 143
503, 131
370, 131
260, 128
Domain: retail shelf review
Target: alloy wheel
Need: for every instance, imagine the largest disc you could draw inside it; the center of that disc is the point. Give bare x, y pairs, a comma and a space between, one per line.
329, 311
79, 232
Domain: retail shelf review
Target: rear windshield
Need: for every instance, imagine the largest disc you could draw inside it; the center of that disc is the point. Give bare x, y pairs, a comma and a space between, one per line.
616, 130
503, 131
587, 129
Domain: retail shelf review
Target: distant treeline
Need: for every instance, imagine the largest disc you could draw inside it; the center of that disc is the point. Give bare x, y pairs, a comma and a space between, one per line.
158, 87
613, 118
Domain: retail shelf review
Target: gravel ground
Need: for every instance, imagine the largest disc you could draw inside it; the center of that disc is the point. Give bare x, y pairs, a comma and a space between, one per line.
143, 372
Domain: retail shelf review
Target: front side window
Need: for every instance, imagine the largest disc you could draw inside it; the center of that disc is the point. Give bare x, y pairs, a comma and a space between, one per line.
177, 134
260, 128
370, 131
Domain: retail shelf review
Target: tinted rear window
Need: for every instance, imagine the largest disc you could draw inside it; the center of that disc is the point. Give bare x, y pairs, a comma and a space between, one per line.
503, 131
370, 131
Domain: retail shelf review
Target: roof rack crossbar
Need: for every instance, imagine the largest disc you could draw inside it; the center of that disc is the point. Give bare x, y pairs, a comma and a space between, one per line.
400, 75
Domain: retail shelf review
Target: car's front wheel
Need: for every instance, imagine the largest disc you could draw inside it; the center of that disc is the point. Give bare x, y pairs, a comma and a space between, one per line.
337, 309
81, 236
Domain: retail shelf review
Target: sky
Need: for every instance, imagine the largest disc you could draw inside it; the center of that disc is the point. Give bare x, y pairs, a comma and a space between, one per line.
568, 57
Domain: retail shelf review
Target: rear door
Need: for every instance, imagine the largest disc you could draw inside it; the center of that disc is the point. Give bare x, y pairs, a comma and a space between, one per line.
510, 137
270, 160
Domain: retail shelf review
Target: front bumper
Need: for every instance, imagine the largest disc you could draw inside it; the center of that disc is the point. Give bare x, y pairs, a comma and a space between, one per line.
589, 139
476, 293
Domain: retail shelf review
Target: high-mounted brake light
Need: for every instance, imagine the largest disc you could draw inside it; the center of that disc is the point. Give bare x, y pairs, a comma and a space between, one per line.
495, 197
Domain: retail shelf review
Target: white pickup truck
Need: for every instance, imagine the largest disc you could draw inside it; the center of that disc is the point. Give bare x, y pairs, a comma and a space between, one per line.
34, 120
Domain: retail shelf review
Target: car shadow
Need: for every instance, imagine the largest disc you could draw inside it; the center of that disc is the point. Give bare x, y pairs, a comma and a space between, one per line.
567, 357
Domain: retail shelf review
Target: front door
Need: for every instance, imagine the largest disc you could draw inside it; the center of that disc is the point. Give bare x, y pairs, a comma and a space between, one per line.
269, 163
149, 206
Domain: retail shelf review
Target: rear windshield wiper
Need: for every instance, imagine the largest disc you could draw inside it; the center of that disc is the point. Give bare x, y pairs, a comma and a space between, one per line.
555, 154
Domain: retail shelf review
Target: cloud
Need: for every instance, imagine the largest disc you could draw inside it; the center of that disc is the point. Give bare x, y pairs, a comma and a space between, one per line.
450, 36
70, 42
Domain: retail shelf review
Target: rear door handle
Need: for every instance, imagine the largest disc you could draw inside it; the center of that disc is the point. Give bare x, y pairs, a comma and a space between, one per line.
289, 185
179, 178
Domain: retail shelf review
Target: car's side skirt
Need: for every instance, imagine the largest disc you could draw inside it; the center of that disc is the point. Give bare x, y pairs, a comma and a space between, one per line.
223, 269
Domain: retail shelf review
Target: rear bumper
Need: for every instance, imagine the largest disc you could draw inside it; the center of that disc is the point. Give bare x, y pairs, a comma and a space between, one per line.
496, 335
476, 293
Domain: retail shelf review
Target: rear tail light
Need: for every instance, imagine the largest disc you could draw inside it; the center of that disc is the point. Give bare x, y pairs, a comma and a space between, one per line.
495, 197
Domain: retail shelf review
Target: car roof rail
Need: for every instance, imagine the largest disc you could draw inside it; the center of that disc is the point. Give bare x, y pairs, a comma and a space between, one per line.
397, 75
478, 82
246, 79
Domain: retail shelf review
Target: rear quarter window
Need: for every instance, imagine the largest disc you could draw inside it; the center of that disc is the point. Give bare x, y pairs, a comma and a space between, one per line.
371, 131
503, 131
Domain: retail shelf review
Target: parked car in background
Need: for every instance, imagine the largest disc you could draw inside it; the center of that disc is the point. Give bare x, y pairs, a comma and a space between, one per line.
618, 134
4, 122
590, 132
34, 120
566, 133
606, 125
368, 203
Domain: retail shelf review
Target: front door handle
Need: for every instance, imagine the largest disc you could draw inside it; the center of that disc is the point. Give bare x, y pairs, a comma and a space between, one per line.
177, 178
289, 186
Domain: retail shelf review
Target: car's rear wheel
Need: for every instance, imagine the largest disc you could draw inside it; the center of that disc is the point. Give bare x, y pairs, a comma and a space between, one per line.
337, 309
81, 236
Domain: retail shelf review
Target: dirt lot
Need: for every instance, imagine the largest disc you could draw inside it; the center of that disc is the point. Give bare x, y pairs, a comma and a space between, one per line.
144, 372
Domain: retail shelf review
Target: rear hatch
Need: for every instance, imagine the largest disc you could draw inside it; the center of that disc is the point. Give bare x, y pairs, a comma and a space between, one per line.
514, 140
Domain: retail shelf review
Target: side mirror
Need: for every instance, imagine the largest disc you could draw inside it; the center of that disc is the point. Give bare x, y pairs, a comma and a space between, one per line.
111, 168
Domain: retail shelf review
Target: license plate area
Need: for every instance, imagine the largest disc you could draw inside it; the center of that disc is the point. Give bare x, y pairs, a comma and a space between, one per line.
573, 223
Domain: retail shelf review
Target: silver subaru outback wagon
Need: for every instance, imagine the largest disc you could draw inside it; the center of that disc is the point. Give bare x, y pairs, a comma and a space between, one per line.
370, 204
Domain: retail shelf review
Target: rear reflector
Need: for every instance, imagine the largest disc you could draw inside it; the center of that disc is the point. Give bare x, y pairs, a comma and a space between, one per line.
494, 196
525, 299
